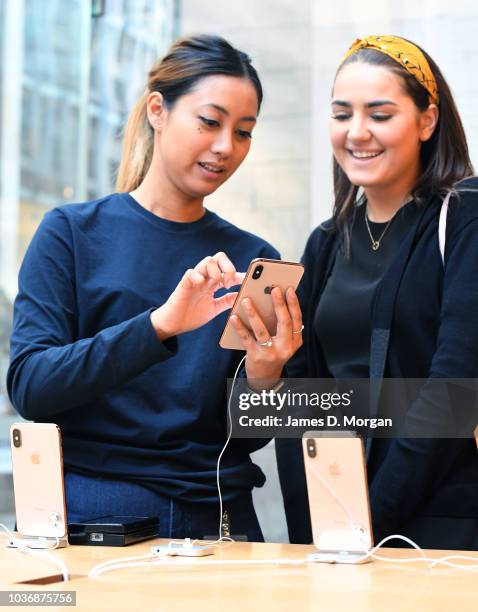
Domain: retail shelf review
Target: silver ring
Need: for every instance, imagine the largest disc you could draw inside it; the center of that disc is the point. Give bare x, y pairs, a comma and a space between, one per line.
266, 343
299, 331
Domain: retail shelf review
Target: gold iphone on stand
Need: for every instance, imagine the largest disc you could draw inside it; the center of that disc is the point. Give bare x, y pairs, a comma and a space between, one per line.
38, 480
338, 495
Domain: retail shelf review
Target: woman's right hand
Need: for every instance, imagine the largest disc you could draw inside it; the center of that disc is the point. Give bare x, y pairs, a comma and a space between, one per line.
266, 355
192, 304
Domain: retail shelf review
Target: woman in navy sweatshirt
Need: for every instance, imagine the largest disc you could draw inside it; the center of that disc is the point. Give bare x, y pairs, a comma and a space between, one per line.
379, 302
116, 324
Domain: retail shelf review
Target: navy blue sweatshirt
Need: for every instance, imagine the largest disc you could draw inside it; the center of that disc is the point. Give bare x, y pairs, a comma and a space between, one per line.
85, 356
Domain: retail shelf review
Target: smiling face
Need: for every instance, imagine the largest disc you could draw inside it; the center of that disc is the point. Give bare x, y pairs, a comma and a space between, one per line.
376, 130
204, 137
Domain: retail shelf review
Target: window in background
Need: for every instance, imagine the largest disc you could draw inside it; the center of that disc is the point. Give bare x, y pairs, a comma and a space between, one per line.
68, 78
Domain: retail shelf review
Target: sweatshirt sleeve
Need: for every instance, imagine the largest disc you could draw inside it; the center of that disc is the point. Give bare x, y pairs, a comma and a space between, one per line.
51, 369
296, 367
414, 467
304, 363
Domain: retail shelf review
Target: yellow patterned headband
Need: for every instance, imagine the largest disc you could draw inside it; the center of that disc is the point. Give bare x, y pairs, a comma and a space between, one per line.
404, 53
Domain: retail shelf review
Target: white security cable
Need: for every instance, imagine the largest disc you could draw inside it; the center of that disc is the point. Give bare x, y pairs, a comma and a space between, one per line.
445, 561
334, 494
155, 560
432, 561
162, 559
8, 532
42, 556
38, 554
188, 543
371, 553
124, 561
229, 434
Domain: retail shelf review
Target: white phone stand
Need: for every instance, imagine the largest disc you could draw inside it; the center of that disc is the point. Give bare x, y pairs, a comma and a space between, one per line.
341, 546
183, 550
342, 556
37, 543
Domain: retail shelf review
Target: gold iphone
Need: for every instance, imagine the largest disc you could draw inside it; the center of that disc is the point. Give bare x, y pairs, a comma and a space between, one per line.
261, 277
338, 495
38, 479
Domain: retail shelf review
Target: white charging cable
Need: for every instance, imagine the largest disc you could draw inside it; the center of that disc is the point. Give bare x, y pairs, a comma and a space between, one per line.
371, 553
164, 560
334, 494
229, 434
432, 561
156, 559
8, 532
106, 566
37, 554
150, 558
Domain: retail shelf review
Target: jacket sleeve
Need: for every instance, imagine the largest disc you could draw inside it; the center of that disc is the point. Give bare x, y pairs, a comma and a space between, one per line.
298, 366
51, 370
414, 467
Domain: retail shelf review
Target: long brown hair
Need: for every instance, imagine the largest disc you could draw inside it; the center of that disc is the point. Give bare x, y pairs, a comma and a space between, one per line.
187, 61
444, 158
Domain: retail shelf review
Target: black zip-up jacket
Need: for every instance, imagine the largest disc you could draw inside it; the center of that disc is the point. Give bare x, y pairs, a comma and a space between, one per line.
424, 325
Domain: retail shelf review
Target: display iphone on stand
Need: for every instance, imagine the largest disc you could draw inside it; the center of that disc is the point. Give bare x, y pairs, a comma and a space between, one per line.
38, 482
337, 487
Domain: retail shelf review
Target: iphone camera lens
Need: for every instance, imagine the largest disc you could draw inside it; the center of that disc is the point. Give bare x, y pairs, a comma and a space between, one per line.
257, 272
17, 438
311, 449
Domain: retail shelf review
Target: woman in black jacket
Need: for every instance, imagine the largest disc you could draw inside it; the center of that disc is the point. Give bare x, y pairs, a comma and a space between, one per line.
377, 299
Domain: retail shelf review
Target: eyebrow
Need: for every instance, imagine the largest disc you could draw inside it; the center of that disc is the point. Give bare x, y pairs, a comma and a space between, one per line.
222, 110
367, 105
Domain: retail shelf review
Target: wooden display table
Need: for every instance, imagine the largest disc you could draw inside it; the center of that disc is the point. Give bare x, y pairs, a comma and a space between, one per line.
376, 586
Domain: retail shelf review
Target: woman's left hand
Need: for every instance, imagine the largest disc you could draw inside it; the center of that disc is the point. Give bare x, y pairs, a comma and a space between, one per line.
266, 355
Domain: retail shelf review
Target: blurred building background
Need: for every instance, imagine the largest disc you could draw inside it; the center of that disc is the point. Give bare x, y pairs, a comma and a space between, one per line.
71, 69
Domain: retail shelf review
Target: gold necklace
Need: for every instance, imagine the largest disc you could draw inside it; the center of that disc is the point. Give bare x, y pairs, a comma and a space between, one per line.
375, 243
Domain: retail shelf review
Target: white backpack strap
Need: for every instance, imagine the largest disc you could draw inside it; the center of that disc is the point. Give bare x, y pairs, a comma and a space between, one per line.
442, 226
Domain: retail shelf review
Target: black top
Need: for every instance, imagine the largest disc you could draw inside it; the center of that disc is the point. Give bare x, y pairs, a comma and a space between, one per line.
423, 325
342, 320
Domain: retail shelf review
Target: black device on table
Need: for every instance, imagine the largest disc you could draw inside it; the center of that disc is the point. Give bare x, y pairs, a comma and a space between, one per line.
113, 530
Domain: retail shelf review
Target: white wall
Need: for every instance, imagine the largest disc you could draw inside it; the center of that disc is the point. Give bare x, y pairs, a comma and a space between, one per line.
270, 193
446, 30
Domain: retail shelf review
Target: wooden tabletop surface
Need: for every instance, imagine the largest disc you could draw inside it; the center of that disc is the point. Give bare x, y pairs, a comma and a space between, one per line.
381, 586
